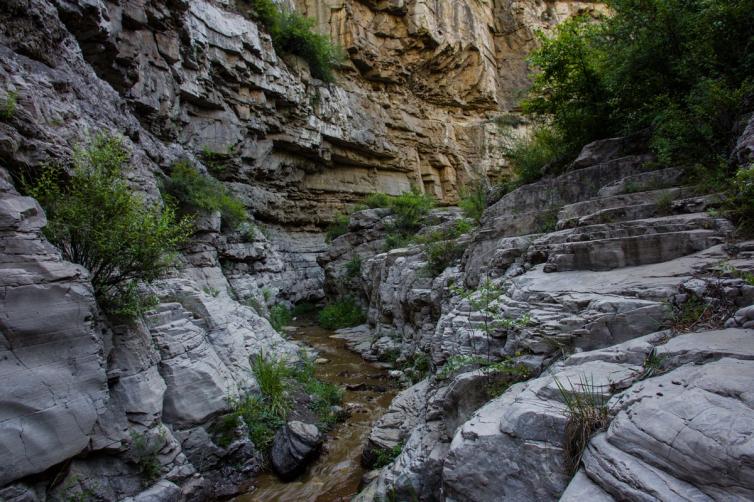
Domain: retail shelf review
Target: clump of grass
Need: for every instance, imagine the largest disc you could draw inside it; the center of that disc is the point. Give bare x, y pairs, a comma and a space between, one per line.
198, 193
8, 105
441, 248
324, 395
377, 200
338, 227
664, 205
342, 313
689, 314
270, 375
587, 413
146, 452
386, 456
280, 316
474, 200
353, 267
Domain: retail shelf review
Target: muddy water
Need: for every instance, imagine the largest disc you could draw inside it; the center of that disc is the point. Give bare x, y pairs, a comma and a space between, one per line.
336, 474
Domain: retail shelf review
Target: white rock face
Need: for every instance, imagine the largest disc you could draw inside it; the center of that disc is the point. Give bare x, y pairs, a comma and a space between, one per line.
52, 364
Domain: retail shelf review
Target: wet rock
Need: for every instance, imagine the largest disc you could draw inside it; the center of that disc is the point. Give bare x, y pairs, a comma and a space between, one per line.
294, 446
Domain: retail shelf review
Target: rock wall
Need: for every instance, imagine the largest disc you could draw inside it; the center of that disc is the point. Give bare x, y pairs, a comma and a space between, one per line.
588, 270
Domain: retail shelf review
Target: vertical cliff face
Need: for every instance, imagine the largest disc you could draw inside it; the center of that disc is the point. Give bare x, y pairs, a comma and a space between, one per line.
440, 72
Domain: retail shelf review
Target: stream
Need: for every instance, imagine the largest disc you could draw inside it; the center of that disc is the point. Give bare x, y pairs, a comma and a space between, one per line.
335, 476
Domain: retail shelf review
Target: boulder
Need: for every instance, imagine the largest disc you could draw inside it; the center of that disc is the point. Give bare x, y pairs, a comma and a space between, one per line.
294, 446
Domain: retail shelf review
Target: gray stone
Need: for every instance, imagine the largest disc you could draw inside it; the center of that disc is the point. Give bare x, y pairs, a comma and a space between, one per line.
294, 446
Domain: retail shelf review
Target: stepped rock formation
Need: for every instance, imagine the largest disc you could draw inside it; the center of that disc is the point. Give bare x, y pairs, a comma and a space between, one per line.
125, 411
595, 263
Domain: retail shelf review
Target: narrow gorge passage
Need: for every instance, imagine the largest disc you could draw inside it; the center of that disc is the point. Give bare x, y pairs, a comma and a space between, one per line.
336, 474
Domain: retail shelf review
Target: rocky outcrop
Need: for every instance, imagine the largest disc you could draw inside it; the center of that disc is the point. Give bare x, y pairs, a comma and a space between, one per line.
597, 262
294, 445
52, 358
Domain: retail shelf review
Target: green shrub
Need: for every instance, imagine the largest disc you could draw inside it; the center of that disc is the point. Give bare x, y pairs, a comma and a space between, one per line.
410, 208
440, 247
536, 152
294, 34
97, 221
260, 420
338, 227
353, 267
385, 456
377, 200
741, 202
324, 395
146, 453
280, 316
8, 106
342, 313
216, 161
474, 200
270, 375
681, 70
196, 192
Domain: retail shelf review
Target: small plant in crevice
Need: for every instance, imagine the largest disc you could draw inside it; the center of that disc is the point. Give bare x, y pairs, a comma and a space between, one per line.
213, 292
415, 366
280, 317
587, 414
664, 205
652, 365
216, 161
196, 192
386, 456
338, 227
473, 200
353, 267
97, 221
441, 248
145, 451
8, 105
342, 313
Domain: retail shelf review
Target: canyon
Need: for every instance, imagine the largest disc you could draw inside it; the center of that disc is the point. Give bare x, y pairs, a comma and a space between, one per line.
591, 269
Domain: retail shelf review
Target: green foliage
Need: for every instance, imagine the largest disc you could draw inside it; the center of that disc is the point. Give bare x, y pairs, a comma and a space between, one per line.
342, 313
260, 419
587, 413
441, 248
547, 221
8, 105
324, 395
410, 208
535, 152
474, 200
377, 200
416, 366
294, 34
664, 205
145, 452
681, 69
95, 219
740, 205
270, 375
337, 227
353, 267
196, 192
457, 363
216, 161
303, 308
385, 456
280, 316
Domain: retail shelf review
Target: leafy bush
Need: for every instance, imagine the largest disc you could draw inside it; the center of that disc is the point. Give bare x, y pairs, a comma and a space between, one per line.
196, 192
440, 247
97, 221
294, 34
741, 203
342, 313
353, 267
474, 201
261, 421
680, 69
280, 316
385, 456
8, 106
410, 208
338, 227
